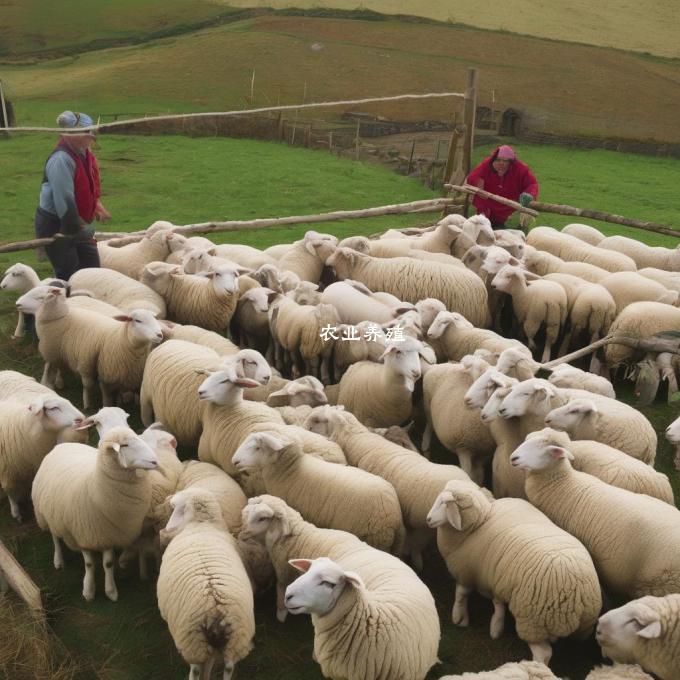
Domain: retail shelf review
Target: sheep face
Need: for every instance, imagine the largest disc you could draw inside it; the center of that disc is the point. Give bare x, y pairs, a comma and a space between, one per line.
221, 386
525, 397
444, 320
428, 310
510, 359
256, 450
16, 278
132, 452
105, 419
404, 359
305, 391
158, 439
474, 257
225, 278
305, 293
621, 631
259, 299
268, 275
490, 410
673, 432
439, 512
505, 278
319, 588
342, 260
569, 416
256, 518
537, 454
157, 275
483, 387
195, 261
248, 363
29, 302
461, 505
496, 258
55, 413
143, 327
324, 419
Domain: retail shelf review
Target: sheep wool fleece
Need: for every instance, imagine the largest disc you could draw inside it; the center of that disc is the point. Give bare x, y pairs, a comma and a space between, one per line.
524, 670
205, 596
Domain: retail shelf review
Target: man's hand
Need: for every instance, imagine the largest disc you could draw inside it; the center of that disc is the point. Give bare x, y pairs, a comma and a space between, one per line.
525, 199
101, 214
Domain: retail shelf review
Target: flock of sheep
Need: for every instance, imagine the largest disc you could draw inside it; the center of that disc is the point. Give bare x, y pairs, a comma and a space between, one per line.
303, 466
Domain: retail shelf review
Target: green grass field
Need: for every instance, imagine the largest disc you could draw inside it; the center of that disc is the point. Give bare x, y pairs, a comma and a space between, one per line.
561, 88
187, 180
34, 26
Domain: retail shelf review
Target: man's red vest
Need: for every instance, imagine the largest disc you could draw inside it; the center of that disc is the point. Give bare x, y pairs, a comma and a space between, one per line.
86, 186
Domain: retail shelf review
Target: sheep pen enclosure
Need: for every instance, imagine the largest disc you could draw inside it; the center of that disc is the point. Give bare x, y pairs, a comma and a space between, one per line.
240, 179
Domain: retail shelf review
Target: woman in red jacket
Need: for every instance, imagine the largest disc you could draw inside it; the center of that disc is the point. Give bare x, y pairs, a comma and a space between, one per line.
503, 174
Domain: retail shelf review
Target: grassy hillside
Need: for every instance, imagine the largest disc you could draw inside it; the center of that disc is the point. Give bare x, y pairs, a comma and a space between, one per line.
184, 180
562, 88
625, 24
40, 26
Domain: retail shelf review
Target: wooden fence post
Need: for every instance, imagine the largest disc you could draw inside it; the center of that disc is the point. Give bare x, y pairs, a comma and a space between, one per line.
454, 160
357, 139
410, 160
469, 112
4, 109
330, 141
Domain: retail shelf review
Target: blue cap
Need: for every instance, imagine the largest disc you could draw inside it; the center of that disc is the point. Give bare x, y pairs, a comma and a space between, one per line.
71, 120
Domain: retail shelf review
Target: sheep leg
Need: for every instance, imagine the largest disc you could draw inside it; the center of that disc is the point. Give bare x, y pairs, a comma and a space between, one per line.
19, 330
48, 376
313, 366
206, 668
542, 651
14, 508
326, 370
59, 379
460, 614
564, 347
417, 540
228, 669
194, 672
427, 439
469, 464
108, 396
110, 589
281, 611
672, 384
146, 409
269, 353
143, 567
497, 620
4, 586
58, 555
89, 384
88, 581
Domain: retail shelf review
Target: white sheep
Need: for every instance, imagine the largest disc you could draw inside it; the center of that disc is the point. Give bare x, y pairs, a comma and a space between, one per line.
536, 303
673, 436
636, 548
29, 302
29, 432
94, 346
367, 613
131, 259
564, 375
246, 256
270, 276
380, 395
20, 278
629, 287
444, 389
250, 323
291, 475
457, 337
412, 280
524, 670
306, 257
203, 589
94, 499
607, 421
416, 480
669, 279
639, 320
541, 263
512, 553
227, 420
618, 672
609, 464
644, 631
584, 232
207, 300
354, 303
405, 634
298, 330
118, 290
573, 249
517, 363
642, 254
172, 375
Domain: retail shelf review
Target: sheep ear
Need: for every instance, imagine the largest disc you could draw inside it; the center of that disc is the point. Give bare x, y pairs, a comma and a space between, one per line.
529, 276
427, 353
651, 630
392, 348
246, 382
587, 407
453, 515
279, 398
310, 246
354, 579
123, 317
301, 565
86, 424
272, 441
37, 405
557, 452
515, 262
